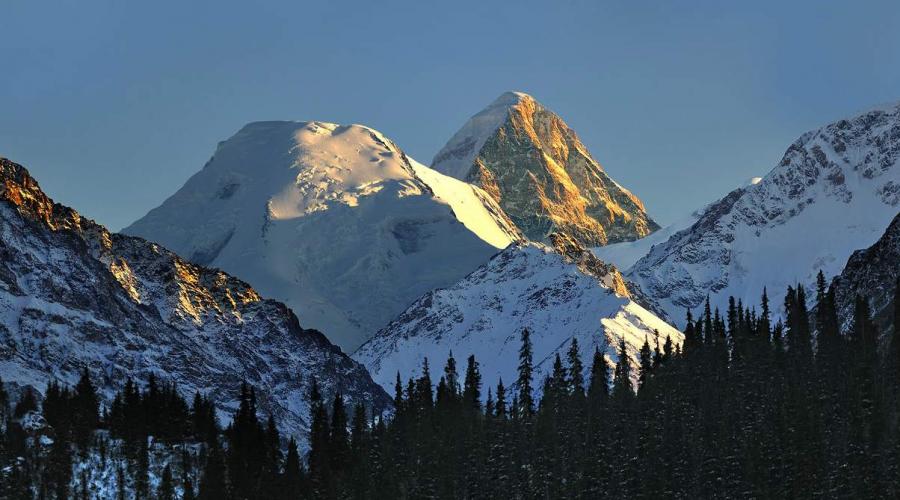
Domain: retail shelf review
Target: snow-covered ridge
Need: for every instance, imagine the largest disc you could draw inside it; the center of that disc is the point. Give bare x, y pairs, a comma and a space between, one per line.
525, 286
835, 190
74, 295
334, 220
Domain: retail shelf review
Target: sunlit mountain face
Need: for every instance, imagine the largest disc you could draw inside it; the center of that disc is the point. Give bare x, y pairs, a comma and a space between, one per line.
336, 221
541, 175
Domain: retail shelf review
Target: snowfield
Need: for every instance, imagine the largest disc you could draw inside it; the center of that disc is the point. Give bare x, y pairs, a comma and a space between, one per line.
525, 286
334, 220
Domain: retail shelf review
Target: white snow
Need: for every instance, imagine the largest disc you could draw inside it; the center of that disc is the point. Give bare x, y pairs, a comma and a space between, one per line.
623, 255
835, 191
334, 220
525, 286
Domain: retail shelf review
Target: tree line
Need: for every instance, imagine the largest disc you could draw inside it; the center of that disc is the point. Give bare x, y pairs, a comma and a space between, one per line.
744, 408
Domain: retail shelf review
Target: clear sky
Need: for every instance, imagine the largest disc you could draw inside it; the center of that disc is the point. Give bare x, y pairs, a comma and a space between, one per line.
112, 105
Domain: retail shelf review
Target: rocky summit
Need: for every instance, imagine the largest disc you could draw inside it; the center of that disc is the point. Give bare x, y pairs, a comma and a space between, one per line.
541, 175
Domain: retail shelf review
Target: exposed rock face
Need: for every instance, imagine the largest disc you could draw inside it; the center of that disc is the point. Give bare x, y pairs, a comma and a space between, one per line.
873, 273
542, 176
835, 190
74, 295
334, 220
557, 296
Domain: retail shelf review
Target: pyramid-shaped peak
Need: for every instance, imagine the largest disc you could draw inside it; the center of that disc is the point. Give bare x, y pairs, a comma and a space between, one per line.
535, 167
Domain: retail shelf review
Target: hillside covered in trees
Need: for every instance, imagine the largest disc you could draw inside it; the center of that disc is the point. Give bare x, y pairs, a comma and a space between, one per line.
746, 409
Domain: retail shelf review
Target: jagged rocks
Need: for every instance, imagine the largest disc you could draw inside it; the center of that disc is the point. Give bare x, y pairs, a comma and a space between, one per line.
541, 175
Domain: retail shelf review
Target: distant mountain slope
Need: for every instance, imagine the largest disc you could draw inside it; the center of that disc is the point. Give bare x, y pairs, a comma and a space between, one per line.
872, 273
625, 254
835, 190
542, 176
74, 295
334, 220
525, 286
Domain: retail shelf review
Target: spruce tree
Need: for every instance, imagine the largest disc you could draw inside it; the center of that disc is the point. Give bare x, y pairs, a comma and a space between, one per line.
166, 490
142, 471
764, 323
646, 363
622, 385
213, 484
472, 387
85, 405
451, 377
576, 370
339, 442
319, 437
526, 370
598, 390
500, 406
293, 474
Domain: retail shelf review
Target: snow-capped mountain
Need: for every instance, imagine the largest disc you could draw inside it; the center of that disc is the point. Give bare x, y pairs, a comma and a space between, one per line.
336, 221
556, 295
74, 295
835, 191
544, 178
872, 273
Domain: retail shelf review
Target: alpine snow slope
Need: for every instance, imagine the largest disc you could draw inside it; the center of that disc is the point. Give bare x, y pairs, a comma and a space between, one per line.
556, 295
624, 254
336, 221
542, 176
74, 295
836, 190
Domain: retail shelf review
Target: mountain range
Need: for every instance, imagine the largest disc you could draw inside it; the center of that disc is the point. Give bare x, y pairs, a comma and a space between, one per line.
557, 296
514, 226
336, 221
835, 191
74, 296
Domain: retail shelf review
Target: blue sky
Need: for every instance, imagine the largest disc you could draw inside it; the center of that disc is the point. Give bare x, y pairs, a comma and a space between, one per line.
113, 105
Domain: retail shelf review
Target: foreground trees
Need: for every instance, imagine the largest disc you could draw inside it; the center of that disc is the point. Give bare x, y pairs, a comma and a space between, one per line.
744, 408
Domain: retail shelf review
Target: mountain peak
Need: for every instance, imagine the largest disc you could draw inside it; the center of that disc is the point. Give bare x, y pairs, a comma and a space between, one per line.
535, 167
123, 307
511, 98
844, 176
327, 210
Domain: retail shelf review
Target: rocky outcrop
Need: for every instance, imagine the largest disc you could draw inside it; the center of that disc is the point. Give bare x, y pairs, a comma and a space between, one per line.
74, 295
834, 191
541, 175
872, 273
